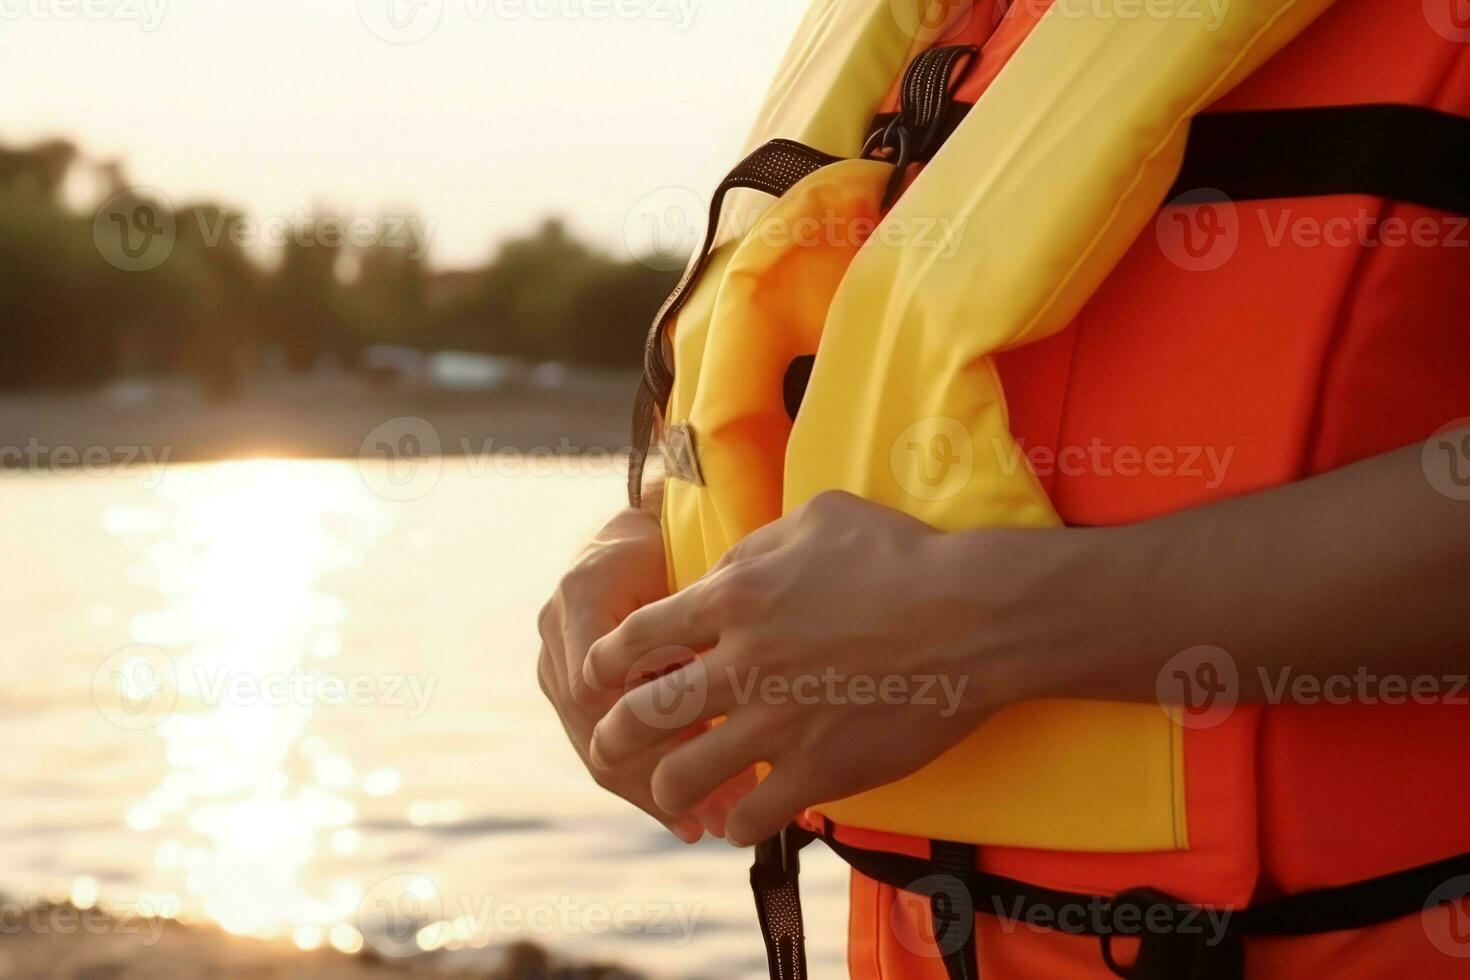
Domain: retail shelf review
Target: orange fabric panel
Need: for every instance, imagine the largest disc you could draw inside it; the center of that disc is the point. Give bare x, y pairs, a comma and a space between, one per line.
1357, 51
1355, 791
1399, 365
1194, 384
1294, 360
1334, 777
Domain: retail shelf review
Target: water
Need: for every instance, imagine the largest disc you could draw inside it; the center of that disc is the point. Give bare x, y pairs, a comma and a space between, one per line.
287, 698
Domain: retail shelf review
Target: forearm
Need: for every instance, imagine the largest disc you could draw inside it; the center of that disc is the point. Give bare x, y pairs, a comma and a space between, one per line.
1363, 569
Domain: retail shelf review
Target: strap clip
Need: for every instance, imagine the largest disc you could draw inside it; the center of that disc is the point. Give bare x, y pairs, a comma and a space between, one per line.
1175, 939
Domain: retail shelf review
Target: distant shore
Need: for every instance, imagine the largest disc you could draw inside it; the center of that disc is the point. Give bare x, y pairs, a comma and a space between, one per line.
72, 944
309, 416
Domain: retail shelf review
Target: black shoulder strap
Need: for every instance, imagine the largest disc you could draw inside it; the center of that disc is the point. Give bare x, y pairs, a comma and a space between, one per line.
1398, 152
773, 168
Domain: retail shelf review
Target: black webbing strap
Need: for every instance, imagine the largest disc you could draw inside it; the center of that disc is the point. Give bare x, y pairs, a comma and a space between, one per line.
1397, 152
1176, 940
920, 126
952, 909
774, 168
774, 879
910, 135
1357, 905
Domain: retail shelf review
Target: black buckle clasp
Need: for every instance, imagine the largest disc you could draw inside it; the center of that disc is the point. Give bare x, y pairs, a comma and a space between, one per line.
1175, 942
781, 854
926, 95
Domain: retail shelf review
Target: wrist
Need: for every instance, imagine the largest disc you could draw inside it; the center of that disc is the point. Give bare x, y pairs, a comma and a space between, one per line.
1059, 613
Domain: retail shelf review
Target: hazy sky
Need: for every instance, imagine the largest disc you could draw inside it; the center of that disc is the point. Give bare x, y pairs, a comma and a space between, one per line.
478, 115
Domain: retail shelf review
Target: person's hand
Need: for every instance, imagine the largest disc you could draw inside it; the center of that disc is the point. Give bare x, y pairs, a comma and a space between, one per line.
837, 644
621, 570
795, 632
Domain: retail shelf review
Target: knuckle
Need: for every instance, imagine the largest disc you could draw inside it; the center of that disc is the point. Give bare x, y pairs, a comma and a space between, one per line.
548, 620
582, 580
829, 502
741, 592
603, 779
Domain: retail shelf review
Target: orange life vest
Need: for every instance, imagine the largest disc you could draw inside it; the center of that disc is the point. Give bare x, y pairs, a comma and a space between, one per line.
1300, 354
1295, 306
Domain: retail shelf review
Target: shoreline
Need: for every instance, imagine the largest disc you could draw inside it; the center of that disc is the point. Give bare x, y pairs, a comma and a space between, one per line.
333, 416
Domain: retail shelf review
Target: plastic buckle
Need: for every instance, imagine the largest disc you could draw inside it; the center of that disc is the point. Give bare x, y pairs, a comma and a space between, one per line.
1183, 951
681, 455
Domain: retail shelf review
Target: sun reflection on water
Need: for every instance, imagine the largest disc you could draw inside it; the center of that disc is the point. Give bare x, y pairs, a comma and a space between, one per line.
251, 798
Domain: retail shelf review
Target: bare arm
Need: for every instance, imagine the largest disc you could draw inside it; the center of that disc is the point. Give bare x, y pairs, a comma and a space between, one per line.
1366, 567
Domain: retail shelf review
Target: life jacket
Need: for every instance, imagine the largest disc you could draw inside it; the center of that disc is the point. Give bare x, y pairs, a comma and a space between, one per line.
1103, 248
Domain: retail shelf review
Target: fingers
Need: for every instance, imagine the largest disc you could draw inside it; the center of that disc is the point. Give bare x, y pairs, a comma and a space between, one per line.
716, 807
665, 630
691, 773
778, 800
651, 713
583, 625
